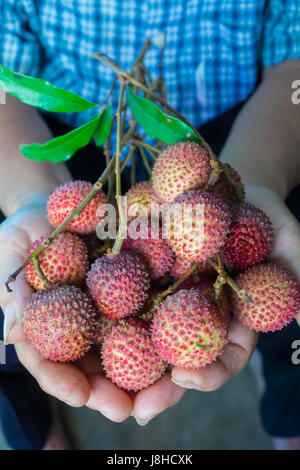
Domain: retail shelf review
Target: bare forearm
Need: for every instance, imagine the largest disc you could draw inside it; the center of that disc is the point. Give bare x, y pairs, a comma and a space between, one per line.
264, 143
21, 179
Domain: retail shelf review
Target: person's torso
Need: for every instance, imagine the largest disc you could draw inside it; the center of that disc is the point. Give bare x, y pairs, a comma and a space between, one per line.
211, 61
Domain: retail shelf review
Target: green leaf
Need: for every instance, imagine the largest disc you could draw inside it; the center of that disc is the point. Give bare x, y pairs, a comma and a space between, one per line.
62, 148
40, 93
156, 123
104, 125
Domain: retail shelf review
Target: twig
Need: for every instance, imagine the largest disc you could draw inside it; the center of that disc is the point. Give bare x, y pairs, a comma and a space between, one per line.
171, 289
145, 161
133, 170
214, 162
139, 141
240, 292
120, 237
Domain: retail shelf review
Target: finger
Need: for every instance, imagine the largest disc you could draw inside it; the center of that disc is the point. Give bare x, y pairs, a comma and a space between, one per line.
13, 303
155, 399
236, 355
63, 381
114, 403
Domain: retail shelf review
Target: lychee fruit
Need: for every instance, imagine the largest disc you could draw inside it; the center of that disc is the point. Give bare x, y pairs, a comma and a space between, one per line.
129, 358
275, 295
118, 284
179, 168
224, 190
142, 201
206, 286
154, 251
198, 225
65, 261
250, 239
60, 323
188, 330
66, 198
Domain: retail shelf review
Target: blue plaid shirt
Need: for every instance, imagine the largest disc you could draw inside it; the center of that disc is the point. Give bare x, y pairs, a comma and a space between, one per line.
215, 48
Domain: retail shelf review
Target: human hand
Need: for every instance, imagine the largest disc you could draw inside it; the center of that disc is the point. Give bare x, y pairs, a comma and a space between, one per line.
77, 384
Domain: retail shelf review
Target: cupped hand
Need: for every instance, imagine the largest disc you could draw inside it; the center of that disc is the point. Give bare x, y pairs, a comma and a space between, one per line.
242, 340
78, 384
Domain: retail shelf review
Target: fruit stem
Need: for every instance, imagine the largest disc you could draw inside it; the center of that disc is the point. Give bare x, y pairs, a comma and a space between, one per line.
145, 144
221, 279
171, 289
214, 162
145, 161
39, 272
123, 223
240, 292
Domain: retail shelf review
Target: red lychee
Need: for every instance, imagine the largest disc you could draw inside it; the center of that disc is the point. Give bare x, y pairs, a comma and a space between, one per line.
206, 287
275, 294
142, 201
65, 261
118, 284
60, 323
129, 358
250, 239
188, 330
154, 251
66, 198
199, 224
179, 168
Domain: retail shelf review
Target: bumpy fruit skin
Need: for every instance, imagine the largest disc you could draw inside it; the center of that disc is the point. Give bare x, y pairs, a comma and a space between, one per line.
205, 225
129, 358
179, 168
275, 294
206, 287
156, 253
65, 261
139, 200
66, 198
118, 284
224, 190
250, 239
60, 323
188, 330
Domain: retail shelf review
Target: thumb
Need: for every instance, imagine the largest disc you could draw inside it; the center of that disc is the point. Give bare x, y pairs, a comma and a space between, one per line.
12, 303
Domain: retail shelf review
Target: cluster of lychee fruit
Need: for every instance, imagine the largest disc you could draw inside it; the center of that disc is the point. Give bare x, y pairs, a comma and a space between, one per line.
117, 300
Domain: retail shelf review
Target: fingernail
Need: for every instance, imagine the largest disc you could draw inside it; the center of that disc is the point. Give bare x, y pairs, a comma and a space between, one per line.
106, 415
187, 384
9, 322
142, 422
